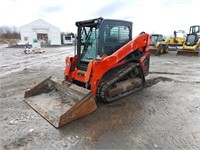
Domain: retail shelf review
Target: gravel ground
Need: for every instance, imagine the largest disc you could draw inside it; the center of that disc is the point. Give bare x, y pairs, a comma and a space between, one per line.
164, 115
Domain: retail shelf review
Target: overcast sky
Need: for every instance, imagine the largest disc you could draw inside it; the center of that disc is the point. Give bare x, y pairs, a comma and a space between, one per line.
151, 16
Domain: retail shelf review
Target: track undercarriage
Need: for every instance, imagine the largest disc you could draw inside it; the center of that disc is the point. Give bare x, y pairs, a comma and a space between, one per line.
126, 80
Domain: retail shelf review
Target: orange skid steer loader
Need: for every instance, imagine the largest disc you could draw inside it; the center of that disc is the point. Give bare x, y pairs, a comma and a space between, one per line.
108, 65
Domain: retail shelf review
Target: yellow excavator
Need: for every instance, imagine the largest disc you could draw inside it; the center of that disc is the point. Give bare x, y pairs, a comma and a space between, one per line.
158, 45
192, 42
108, 65
178, 39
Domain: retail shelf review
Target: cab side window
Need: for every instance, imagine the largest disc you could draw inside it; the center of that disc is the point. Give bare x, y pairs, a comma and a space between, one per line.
114, 38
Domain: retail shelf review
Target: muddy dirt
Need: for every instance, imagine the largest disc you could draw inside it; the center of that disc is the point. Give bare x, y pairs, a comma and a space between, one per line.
164, 115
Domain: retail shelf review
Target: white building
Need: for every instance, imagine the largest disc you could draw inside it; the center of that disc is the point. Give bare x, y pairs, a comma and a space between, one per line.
40, 31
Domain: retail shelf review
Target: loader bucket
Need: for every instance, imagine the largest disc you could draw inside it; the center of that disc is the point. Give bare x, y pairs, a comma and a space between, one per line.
188, 53
60, 103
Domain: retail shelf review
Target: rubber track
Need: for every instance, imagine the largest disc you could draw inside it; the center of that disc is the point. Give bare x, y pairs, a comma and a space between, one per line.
116, 76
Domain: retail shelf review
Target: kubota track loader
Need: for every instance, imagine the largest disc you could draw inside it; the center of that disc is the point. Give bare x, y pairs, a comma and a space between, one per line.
108, 65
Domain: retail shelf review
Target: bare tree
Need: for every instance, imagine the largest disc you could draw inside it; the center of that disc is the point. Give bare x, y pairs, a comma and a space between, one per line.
7, 32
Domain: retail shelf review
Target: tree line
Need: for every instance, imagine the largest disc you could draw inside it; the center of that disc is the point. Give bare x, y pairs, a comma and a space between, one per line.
7, 32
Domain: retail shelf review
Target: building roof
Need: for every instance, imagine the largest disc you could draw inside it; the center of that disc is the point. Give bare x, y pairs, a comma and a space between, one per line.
39, 21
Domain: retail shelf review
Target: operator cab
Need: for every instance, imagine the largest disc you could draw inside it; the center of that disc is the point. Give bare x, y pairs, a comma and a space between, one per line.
156, 38
97, 37
193, 36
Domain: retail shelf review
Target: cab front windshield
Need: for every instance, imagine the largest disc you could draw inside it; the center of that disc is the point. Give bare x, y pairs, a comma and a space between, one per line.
89, 43
156, 38
191, 39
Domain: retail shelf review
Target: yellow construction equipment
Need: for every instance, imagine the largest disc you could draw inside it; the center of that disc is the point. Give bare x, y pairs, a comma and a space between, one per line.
192, 43
158, 45
178, 39
108, 65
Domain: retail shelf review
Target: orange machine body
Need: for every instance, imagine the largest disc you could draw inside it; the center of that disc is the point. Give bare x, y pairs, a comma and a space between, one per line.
97, 68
